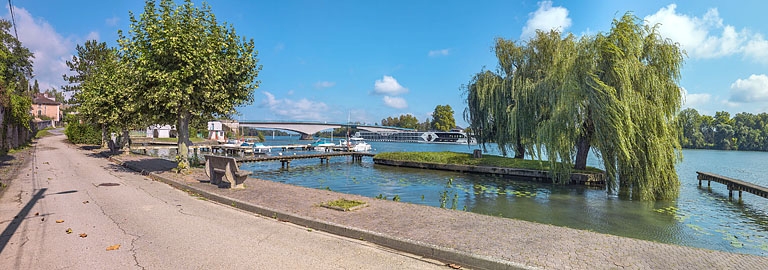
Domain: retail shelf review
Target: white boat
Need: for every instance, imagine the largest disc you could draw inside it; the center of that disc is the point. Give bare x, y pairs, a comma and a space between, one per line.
322, 144
355, 145
455, 136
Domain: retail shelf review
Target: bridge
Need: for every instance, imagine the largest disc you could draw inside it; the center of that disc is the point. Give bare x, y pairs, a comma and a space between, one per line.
307, 129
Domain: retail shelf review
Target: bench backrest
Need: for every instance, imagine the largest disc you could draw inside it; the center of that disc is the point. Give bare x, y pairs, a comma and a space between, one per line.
219, 162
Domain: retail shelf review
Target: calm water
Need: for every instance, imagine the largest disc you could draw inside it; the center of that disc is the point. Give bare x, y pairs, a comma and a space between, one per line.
700, 217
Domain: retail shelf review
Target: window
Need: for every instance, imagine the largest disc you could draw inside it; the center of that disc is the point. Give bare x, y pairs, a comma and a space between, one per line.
39, 113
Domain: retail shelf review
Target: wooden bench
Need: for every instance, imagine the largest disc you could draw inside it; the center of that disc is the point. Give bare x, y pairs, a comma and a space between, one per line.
219, 168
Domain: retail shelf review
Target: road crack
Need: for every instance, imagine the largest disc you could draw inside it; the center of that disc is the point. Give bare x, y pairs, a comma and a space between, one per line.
134, 237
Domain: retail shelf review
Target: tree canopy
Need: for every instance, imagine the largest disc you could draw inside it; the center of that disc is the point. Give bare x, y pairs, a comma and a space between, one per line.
403, 121
442, 118
743, 131
558, 97
188, 64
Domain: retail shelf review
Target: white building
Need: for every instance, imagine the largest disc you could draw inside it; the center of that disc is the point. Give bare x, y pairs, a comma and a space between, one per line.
158, 131
216, 131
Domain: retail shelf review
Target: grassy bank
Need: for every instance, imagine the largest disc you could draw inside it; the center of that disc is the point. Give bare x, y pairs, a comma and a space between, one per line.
466, 159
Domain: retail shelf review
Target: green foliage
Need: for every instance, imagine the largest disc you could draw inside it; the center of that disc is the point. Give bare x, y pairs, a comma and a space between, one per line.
558, 96
744, 131
19, 110
403, 121
15, 62
186, 64
442, 118
82, 133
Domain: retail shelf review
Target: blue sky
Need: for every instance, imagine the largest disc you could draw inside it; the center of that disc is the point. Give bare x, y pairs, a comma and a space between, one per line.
367, 60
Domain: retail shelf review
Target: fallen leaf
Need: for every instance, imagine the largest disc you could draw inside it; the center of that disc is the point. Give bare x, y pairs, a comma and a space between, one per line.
42, 219
83, 235
37, 213
454, 266
69, 230
59, 221
85, 202
113, 247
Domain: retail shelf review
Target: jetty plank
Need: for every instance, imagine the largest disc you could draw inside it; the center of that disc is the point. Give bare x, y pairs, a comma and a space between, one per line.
733, 184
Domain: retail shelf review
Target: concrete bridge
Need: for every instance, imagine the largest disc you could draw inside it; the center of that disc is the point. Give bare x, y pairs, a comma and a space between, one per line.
307, 129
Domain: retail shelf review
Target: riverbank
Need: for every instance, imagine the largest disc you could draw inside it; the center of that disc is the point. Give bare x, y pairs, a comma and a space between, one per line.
531, 170
472, 240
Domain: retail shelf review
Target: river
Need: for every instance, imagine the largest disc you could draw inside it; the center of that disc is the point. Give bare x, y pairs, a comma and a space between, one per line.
700, 217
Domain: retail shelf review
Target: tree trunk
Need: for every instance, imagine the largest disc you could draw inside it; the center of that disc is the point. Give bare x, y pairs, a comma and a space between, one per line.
519, 149
582, 152
125, 140
184, 143
103, 136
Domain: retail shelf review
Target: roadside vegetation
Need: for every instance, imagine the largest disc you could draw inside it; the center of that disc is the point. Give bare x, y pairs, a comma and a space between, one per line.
467, 159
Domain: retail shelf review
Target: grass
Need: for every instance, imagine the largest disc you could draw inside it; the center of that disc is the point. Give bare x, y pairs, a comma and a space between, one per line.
42, 133
344, 204
466, 159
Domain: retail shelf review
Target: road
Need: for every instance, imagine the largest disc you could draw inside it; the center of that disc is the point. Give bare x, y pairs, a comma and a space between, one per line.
156, 227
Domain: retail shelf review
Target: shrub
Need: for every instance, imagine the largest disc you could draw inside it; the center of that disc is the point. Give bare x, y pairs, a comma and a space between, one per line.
83, 133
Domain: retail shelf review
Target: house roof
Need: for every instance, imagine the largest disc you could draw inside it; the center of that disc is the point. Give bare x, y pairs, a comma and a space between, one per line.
41, 99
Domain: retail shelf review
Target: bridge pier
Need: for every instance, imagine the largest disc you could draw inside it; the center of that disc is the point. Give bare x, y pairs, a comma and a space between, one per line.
306, 137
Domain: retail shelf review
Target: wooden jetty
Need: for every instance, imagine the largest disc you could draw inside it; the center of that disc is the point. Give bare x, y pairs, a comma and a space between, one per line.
285, 160
733, 184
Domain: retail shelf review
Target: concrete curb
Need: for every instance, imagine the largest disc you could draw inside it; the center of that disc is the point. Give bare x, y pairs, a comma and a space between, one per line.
426, 250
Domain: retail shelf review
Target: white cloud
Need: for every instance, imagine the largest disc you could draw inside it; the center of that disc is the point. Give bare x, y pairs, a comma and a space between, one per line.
388, 86
435, 53
694, 100
302, 109
395, 102
112, 21
757, 48
50, 49
752, 89
546, 18
707, 36
324, 84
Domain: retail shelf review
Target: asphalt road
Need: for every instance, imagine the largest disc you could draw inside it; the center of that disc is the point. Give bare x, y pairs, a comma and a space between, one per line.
157, 227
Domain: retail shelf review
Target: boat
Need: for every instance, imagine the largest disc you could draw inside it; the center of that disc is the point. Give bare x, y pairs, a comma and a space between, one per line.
454, 136
355, 144
322, 144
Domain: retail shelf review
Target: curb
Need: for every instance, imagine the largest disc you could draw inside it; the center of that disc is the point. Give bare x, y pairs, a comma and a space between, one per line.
426, 250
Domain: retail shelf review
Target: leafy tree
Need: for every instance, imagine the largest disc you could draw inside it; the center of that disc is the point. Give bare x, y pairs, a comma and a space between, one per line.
442, 118
58, 96
15, 96
190, 65
100, 94
15, 62
403, 121
616, 93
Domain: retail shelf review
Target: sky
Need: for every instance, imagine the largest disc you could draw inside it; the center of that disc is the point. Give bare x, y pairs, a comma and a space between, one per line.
362, 61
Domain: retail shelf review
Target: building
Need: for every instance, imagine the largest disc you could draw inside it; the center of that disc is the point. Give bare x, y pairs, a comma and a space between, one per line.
44, 107
216, 131
161, 131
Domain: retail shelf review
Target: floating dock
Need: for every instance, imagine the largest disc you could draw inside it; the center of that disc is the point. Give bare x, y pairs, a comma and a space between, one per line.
324, 157
733, 184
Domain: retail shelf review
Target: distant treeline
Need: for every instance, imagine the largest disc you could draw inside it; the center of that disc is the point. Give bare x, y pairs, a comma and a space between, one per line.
744, 131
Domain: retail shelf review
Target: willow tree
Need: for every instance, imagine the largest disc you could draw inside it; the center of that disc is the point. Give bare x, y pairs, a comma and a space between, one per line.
616, 93
495, 108
188, 65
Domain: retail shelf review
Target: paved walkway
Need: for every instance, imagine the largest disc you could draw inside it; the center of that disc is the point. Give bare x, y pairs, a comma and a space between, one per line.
65, 207
468, 239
